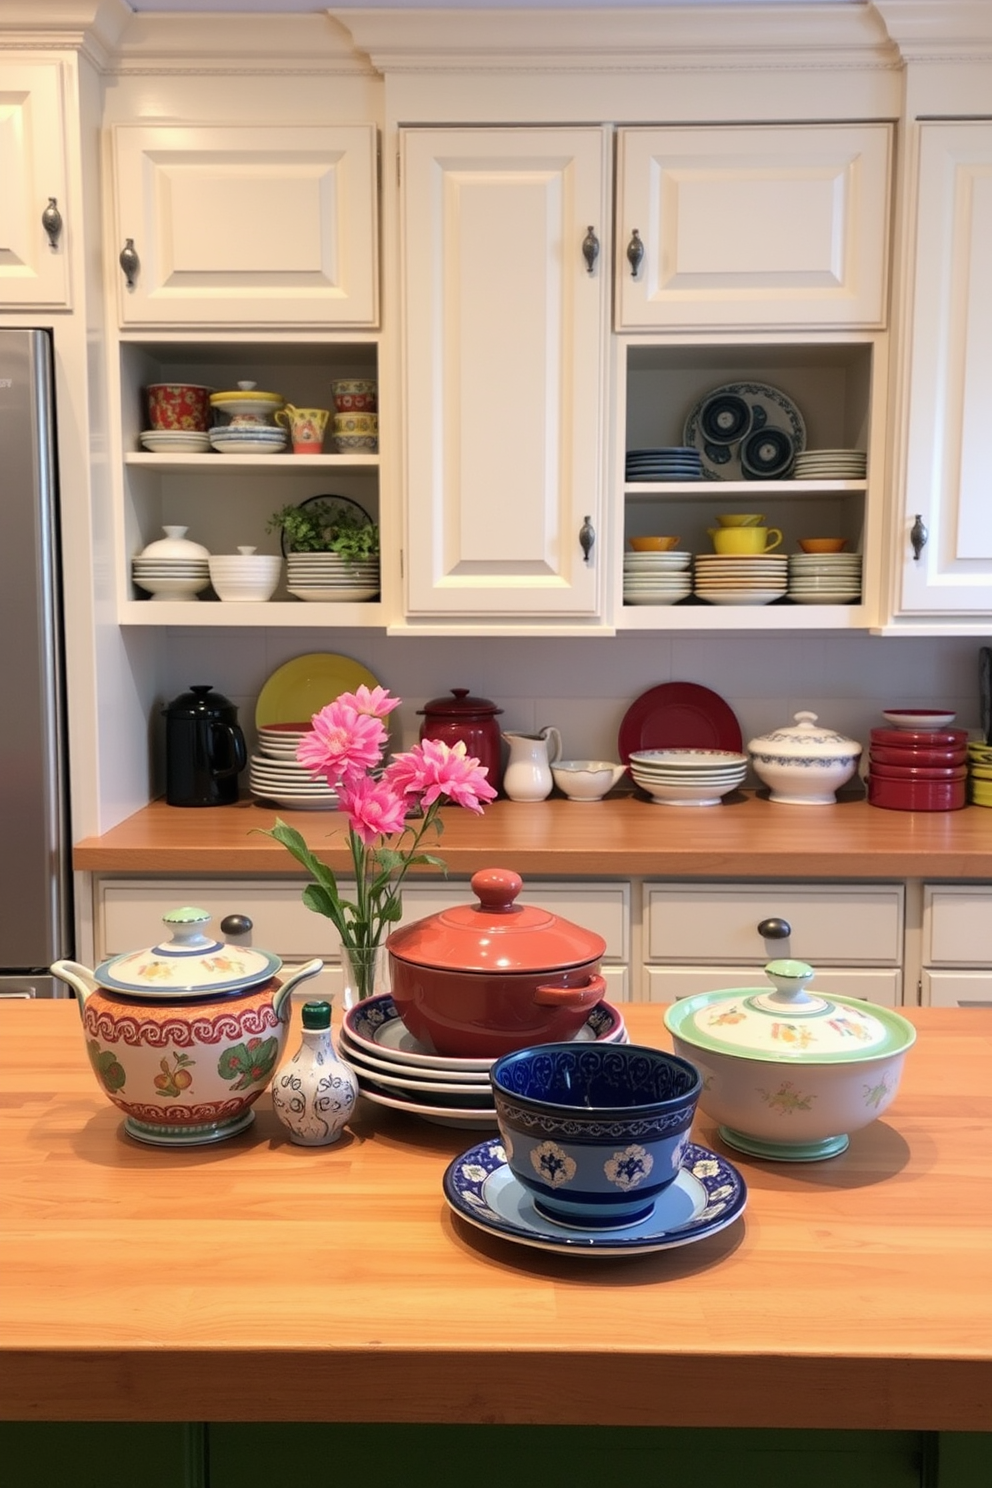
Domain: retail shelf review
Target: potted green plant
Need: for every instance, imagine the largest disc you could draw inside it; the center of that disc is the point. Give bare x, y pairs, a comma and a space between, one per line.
327, 524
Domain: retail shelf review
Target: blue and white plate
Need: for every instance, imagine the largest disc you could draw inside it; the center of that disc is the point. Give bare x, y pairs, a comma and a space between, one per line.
707, 1196
770, 409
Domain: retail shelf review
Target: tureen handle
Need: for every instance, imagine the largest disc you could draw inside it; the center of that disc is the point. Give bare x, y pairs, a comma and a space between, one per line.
280, 1001
790, 979
80, 979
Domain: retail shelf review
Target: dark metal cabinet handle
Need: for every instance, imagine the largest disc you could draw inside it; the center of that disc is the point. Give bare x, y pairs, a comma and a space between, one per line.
774, 929
590, 249
51, 221
635, 252
587, 536
129, 262
918, 536
236, 924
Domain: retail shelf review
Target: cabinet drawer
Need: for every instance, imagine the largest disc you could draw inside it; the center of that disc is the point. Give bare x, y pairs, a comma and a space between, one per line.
957, 925
832, 924
956, 988
668, 983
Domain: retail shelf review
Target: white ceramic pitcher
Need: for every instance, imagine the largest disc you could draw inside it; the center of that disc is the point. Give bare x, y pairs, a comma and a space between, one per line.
527, 776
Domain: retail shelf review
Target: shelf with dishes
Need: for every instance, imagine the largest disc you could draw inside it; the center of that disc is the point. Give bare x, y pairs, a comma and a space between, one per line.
777, 436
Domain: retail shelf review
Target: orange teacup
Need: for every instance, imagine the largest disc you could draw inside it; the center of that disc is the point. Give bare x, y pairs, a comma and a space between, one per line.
823, 544
654, 544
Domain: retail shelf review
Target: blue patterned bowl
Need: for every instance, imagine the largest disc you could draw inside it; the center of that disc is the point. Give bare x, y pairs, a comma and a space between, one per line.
594, 1134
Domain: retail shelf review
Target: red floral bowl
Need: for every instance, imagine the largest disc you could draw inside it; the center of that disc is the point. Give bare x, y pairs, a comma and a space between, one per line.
178, 405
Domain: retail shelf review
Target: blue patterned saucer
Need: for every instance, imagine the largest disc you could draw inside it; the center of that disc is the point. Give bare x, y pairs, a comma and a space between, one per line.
708, 1194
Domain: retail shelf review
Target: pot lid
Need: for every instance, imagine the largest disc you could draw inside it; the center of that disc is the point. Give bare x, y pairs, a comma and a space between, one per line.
190, 964
496, 935
805, 739
903, 738
460, 705
786, 1024
201, 701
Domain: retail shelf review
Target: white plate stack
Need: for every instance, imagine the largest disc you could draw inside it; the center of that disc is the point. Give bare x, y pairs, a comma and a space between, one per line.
741, 578
687, 777
275, 775
330, 577
841, 464
175, 441
172, 568
825, 578
656, 578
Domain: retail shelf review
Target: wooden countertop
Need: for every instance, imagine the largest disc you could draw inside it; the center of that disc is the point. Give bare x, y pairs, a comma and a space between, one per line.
624, 836
257, 1280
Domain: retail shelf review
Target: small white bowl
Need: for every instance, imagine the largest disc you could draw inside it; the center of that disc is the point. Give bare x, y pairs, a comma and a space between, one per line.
918, 718
586, 780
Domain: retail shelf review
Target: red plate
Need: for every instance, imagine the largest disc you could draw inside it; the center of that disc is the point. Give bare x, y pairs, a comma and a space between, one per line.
681, 715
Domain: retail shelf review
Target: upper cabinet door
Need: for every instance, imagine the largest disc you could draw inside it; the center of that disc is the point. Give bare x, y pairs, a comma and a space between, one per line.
273, 227
950, 378
34, 227
504, 370
774, 227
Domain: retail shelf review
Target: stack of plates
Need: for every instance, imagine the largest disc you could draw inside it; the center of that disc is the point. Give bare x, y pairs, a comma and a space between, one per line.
825, 578
175, 441
171, 578
839, 464
328, 576
248, 439
741, 578
679, 462
980, 773
395, 1069
687, 777
277, 777
656, 578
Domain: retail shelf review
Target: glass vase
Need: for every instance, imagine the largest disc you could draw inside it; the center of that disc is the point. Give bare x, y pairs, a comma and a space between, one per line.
366, 973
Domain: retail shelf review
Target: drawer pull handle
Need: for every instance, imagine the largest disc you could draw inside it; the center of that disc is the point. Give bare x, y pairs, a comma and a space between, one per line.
635, 252
236, 924
51, 221
129, 262
590, 249
774, 929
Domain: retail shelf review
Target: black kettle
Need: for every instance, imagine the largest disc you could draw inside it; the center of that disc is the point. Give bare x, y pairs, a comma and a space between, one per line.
204, 749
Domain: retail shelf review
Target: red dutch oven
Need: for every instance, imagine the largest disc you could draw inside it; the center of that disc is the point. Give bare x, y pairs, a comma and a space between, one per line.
480, 980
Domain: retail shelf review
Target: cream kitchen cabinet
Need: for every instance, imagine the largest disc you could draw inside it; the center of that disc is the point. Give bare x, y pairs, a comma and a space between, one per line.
34, 225
957, 945
246, 227
758, 227
851, 933
944, 542
504, 371
128, 914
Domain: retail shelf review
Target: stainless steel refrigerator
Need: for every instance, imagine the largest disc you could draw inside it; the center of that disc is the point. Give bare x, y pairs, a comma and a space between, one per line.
36, 921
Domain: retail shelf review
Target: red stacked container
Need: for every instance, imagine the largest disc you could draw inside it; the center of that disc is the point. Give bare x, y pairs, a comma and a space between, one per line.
918, 769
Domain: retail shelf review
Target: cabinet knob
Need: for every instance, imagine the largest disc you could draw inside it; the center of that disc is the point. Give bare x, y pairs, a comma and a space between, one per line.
129, 262
590, 249
918, 536
51, 221
587, 536
237, 926
774, 929
635, 252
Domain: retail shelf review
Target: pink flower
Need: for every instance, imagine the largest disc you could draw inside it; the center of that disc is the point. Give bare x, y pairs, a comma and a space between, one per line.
376, 702
374, 810
343, 744
433, 769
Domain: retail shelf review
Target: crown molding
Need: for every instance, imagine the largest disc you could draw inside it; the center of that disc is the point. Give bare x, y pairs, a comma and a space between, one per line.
663, 39
237, 44
939, 30
91, 27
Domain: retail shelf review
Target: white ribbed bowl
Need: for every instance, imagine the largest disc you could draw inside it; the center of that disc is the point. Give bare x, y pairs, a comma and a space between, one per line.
245, 576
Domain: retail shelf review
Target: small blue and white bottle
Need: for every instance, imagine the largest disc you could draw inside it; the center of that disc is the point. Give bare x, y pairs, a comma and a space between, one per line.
314, 1094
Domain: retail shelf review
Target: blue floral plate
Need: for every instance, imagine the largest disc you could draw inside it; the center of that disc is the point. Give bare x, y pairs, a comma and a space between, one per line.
708, 1194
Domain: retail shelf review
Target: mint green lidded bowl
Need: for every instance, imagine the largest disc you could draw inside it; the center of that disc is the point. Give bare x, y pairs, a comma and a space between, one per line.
788, 1074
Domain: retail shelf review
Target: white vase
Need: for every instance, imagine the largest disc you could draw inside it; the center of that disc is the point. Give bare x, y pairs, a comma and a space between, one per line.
314, 1094
366, 973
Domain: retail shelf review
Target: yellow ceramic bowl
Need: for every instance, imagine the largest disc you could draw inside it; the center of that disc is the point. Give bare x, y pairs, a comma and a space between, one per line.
740, 519
823, 544
654, 544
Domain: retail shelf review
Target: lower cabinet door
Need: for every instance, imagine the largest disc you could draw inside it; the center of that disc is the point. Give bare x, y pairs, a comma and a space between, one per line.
956, 988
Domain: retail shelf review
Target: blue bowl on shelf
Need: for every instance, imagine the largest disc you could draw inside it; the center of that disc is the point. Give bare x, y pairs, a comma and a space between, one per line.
594, 1134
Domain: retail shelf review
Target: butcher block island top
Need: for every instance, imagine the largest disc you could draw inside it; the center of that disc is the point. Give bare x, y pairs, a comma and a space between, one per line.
746, 836
258, 1280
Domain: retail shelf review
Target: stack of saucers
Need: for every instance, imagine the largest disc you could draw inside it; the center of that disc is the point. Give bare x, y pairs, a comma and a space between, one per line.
919, 763
172, 567
248, 439
740, 578
275, 775
980, 773
687, 777
328, 576
678, 462
825, 578
830, 464
395, 1069
175, 441
656, 578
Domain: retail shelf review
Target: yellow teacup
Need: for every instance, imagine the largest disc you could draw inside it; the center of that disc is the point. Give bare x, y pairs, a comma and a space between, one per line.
306, 427
745, 539
740, 519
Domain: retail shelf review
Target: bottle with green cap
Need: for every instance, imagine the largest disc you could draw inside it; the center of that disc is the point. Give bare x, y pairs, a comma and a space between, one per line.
314, 1094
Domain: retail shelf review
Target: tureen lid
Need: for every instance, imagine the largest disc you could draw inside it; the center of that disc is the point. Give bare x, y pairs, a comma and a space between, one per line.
496, 935
460, 705
787, 1024
805, 739
190, 964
